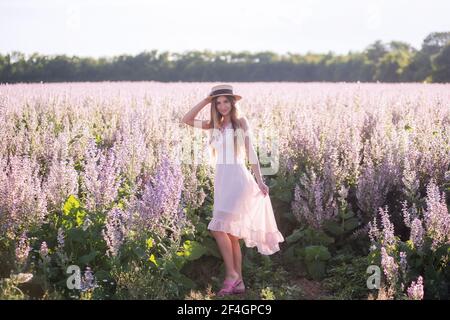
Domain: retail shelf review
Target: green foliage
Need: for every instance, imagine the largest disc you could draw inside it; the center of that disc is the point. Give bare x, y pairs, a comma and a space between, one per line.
268, 275
192, 250
344, 225
267, 294
316, 258
280, 186
73, 214
346, 277
313, 247
391, 62
434, 265
309, 236
441, 65
431, 261
308, 247
10, 287
156, 260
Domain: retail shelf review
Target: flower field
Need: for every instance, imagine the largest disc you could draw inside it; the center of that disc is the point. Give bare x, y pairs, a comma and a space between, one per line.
105, 194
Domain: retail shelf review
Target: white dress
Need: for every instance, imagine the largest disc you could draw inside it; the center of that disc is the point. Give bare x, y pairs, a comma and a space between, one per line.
240, 207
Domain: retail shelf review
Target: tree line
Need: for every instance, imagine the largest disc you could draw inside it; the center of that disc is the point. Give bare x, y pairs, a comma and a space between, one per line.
395, 61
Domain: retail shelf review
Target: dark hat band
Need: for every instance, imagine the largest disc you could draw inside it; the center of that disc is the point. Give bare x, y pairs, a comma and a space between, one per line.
222, 91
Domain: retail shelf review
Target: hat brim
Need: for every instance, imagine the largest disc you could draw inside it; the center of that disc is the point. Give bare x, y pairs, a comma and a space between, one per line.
238, 97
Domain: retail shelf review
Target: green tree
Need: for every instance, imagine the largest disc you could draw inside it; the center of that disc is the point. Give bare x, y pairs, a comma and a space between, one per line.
441, 65
391, 67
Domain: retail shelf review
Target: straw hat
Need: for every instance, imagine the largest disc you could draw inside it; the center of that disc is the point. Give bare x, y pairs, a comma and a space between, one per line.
224, 90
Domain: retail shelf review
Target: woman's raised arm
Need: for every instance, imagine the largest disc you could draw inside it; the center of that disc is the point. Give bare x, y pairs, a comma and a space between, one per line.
189, 117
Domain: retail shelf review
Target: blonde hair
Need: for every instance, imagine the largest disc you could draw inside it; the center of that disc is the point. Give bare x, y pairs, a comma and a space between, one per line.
217, 123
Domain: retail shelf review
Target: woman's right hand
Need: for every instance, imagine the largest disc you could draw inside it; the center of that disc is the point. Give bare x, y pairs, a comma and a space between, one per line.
208, 99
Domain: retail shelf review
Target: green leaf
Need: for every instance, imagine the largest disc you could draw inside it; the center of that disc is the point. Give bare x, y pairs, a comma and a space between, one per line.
193, 250
73, 212
316, 269
314, 253
410, 245
288, 215
317, 237
174, 265
80, 214
296, 235
283, 196
101, 275
153, 259
149, 243
299, 252
185, 281
351, 224
408, 127
347, 214
76, 235
140, 252
442, 252
333, 227
289, 255
211, 247
88, 257
98, 139
71, 203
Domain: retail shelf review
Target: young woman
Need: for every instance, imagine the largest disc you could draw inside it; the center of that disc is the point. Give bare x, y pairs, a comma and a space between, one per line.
242, 207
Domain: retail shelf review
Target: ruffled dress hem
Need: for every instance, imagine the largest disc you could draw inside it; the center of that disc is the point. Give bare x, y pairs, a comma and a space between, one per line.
265, 241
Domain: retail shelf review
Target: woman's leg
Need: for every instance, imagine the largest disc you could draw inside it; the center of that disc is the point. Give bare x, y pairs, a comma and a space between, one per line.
237, 254
226, 249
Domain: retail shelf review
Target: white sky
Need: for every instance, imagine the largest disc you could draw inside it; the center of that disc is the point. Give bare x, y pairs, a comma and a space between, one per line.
110, 27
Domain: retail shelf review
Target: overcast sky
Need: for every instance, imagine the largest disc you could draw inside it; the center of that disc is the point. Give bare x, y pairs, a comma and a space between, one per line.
110, 27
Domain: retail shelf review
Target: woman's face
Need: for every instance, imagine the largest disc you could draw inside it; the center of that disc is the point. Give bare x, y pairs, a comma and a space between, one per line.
223, 105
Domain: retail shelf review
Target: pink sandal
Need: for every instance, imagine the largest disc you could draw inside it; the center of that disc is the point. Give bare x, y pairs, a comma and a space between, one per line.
237, 290
228, 287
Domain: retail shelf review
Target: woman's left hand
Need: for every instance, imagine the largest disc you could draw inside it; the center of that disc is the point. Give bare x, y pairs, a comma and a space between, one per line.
264, 188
